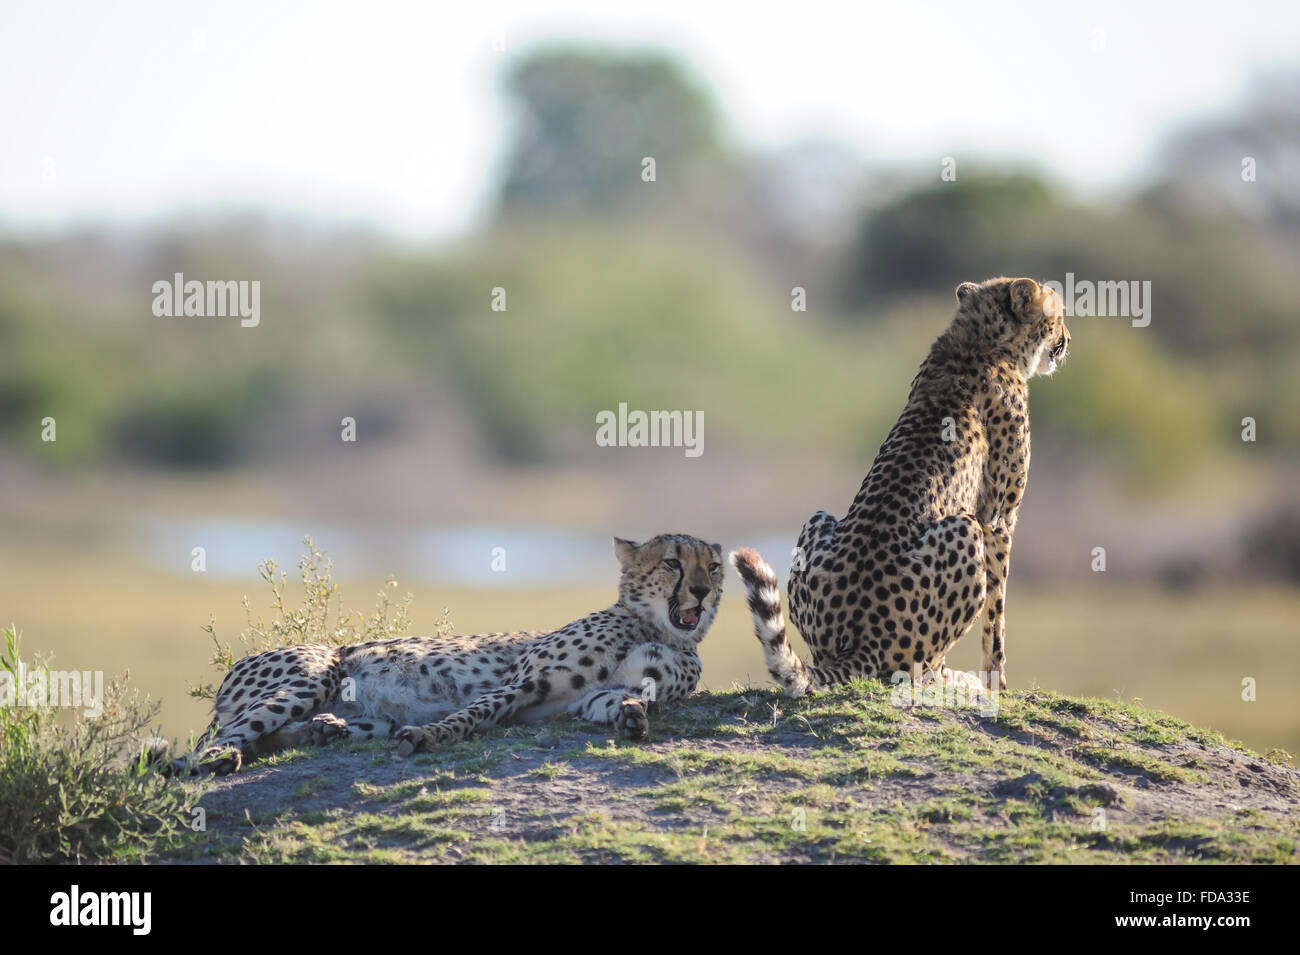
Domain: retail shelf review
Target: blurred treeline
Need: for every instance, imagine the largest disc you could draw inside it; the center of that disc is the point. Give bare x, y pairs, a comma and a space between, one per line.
676, 293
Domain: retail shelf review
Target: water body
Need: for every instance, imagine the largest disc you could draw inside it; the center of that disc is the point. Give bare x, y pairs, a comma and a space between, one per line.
476, 555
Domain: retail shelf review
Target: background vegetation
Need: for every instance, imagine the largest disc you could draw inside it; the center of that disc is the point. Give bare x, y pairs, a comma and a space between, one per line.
673, 294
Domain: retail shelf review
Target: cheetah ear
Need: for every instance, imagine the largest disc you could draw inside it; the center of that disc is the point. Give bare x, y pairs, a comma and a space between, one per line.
717, 550
1024, 293
625, 551
966, 290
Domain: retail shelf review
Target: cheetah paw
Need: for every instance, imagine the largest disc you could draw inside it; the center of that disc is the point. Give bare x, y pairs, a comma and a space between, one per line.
221, 760
326, 728
413, 739
631, 720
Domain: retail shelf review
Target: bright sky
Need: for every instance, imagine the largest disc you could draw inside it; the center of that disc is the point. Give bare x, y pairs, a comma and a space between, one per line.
391, 114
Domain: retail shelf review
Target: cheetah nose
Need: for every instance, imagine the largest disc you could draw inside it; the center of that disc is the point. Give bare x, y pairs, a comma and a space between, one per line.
699, 593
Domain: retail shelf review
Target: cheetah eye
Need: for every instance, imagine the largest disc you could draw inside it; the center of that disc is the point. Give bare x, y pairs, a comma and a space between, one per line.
714, 567
674, 564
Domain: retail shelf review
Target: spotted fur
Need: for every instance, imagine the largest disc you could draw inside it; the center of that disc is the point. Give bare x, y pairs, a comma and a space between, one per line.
925, 546
608, 667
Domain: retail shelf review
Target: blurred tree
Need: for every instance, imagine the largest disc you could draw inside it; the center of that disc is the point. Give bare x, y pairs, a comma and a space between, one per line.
588, 120
1222, 283
968, 230
1246, 162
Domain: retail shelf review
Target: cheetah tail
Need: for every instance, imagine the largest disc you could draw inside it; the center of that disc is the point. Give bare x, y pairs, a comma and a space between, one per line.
764, 594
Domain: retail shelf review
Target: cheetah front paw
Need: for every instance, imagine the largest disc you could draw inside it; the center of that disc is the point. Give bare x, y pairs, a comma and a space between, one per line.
412, 739
326, 728
631, 720
221, 760
419, 739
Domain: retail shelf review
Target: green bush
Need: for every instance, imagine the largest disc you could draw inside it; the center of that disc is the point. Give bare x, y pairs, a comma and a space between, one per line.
76, 789
319, 618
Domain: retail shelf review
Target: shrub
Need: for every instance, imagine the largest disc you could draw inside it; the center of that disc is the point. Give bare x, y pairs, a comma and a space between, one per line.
73, 789
318, 619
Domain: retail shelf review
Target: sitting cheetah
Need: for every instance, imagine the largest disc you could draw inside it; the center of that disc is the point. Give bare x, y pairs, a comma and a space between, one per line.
924, 547
607, 668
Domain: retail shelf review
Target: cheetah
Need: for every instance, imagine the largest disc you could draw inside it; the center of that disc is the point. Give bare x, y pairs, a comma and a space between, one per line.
925, 545
608, 668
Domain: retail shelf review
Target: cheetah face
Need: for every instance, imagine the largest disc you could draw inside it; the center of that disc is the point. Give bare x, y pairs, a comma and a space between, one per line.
1053, 338
1016, 319
1051, 355
673, 581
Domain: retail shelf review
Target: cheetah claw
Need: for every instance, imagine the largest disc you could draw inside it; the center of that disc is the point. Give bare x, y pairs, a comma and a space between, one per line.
410, 739
631, 721
325, 728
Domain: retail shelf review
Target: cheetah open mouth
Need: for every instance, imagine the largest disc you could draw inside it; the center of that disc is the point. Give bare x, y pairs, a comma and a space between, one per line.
685, 619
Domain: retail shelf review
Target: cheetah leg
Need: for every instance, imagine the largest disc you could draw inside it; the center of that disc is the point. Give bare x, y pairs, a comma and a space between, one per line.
371, 728
618, 707
997, 549
323, 729
932, 598
651, 673
814, 538
795, 677
494, 707
249, 717
264, 728
926, 601
657, 673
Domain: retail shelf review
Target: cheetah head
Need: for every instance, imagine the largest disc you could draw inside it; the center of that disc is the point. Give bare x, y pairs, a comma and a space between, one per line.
1017, 318
673, 582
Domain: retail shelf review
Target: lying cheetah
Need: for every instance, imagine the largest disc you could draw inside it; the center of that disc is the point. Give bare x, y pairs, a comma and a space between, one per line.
607, 668
925, 545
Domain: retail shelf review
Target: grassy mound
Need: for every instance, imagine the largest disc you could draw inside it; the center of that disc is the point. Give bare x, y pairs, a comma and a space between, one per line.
749, 776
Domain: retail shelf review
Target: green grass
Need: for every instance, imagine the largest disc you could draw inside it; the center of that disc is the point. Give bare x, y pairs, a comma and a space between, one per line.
747, 776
